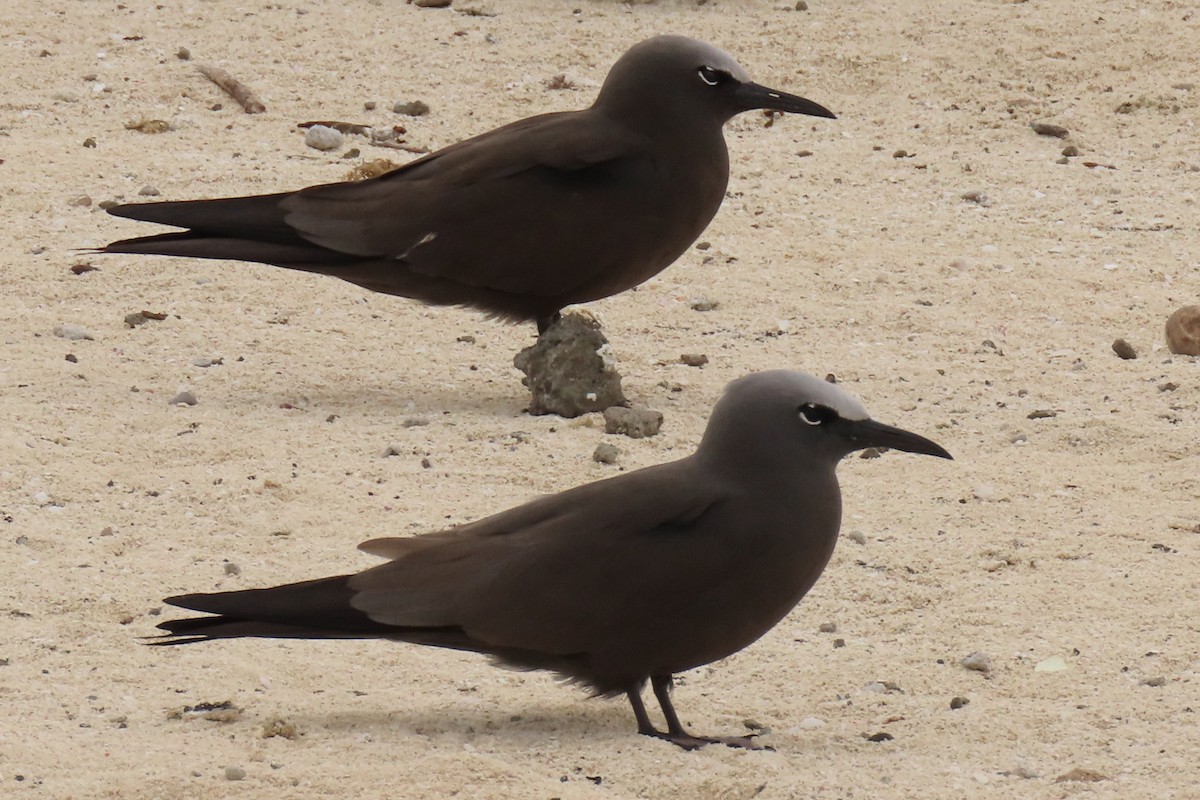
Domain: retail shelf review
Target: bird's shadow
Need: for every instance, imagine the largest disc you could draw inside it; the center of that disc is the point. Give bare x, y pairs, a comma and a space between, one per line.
526, 726
488, 398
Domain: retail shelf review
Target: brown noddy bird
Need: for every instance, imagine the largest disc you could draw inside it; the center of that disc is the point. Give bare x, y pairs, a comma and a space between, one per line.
521, 221
616, 582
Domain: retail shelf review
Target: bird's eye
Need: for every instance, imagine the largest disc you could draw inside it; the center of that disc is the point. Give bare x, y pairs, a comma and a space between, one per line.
713, 76
814, 414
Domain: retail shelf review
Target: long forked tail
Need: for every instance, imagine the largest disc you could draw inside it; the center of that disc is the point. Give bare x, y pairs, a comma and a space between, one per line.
317, 609
237, 229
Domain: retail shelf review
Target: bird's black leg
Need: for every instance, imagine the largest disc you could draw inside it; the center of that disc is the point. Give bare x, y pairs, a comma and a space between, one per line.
645, 727
676, 734
544, 323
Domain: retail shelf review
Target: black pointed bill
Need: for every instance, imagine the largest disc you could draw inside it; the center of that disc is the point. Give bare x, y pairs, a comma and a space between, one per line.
869, 433
752, 95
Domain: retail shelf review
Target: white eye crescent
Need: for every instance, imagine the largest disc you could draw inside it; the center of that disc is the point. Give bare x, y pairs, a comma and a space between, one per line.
712, 76
814, 414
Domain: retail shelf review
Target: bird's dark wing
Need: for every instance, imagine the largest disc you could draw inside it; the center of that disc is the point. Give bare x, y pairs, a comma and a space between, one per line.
509, 210
561, 574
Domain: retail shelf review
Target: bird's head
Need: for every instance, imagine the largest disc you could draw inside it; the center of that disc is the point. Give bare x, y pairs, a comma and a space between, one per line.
683, 77
781, 415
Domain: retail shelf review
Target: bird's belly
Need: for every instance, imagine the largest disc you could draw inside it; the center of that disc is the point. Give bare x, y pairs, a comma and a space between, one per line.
717, 617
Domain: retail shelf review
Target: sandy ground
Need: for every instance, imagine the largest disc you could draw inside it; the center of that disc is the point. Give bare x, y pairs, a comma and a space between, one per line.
1062, 541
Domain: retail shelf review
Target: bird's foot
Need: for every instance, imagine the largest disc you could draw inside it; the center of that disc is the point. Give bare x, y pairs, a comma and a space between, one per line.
689, 742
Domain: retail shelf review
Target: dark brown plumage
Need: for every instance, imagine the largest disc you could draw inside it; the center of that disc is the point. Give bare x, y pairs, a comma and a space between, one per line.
617, 582
519, 222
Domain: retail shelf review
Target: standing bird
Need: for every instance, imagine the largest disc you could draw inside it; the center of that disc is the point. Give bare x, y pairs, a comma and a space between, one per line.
518, 222
617, 582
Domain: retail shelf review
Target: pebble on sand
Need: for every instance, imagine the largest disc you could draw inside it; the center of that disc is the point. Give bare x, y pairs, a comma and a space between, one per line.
1051, 664
411, 108
72, 332
605, 453
1183, 331
978, 661
1124, 349
322, 137
570, 369
636, 423
186, 397
1049, 129
234, 773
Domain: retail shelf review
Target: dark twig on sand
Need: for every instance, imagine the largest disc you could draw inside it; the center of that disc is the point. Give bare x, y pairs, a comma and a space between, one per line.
233, 87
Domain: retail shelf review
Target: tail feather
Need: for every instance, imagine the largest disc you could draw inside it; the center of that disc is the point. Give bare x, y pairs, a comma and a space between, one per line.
317, 609
295, 254
257, 217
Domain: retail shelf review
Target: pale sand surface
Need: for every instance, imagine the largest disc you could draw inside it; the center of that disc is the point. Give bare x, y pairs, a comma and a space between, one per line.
1079, 542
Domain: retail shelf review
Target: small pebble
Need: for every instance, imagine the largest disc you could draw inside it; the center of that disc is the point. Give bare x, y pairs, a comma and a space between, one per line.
232, 568
149, 191
281, 728
1051, 664
205, 362
693, 359
978, 661
882, 736
135, 319
858, 537
1124, 349
705, 304
390, 450
900, 154
186, 397
838, 643
802, 5
872, 452
411, 108
1041, 413
1048, 129
431, 3
1070, 151
72, 332
958, 702
827, 627
80, 201
1183, 331
322, 137
89, 141
605, 453
234, 773
978, 197
183, 54
415, 422
370, 105
74, 359
636, 422
1155, 681
107, 204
